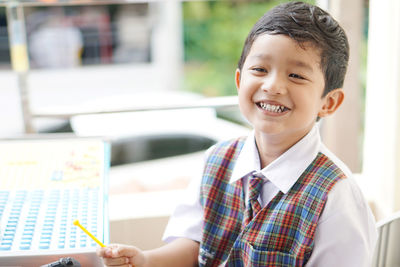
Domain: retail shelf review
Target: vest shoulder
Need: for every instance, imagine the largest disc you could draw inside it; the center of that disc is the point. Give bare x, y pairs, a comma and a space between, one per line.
221, 159
328, 166
323, 173
224, 146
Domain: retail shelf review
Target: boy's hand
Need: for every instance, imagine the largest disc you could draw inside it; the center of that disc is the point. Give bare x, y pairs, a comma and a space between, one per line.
121, 255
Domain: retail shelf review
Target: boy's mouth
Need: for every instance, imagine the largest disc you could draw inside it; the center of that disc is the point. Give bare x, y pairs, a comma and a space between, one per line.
276, 108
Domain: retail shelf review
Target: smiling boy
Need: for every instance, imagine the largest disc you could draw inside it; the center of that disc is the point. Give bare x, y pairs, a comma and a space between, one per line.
278, 197
280, 87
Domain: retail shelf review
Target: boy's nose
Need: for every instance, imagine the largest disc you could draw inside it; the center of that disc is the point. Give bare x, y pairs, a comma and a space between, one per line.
274, 84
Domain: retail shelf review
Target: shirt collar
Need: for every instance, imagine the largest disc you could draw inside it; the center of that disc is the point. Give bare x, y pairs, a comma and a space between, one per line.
284, 171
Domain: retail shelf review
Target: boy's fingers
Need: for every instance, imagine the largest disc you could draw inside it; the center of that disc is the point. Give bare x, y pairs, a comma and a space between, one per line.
124, 265
121, 255
121, 261
101, 252
127, 251
107, 252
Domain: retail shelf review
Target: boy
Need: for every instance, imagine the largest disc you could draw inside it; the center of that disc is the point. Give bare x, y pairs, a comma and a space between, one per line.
277, 197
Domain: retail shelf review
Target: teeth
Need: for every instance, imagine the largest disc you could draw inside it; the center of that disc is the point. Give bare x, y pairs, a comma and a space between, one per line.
272, 108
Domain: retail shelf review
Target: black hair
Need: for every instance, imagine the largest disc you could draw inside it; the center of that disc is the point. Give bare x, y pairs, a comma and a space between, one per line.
306, 23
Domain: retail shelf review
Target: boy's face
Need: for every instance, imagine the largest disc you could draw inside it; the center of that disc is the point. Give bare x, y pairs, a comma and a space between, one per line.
280, 88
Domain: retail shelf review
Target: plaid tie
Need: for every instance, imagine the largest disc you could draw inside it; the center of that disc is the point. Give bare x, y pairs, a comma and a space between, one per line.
253, 206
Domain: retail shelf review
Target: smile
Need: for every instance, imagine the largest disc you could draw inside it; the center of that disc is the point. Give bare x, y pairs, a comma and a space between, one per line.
272, 108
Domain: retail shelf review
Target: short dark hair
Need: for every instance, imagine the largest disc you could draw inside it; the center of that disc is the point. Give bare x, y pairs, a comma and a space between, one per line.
306, 23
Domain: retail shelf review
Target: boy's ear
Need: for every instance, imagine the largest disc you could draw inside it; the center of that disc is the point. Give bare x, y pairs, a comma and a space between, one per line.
237, 79
332, 102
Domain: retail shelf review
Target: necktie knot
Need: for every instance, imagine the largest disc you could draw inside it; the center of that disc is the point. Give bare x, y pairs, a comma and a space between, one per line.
254, 190
255, 185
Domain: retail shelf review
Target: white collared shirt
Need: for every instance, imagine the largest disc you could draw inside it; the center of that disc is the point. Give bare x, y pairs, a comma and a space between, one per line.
346, 232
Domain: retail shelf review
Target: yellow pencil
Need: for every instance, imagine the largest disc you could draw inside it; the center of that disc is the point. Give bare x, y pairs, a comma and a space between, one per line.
77, 223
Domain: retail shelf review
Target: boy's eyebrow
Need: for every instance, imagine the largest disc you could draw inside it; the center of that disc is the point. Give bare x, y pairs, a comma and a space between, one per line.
261, 56
301, 64
297, 63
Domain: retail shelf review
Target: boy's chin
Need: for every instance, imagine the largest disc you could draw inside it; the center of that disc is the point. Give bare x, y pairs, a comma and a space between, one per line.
271, 130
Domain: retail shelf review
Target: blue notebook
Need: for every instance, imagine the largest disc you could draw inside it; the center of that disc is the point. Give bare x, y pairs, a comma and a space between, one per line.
45, 184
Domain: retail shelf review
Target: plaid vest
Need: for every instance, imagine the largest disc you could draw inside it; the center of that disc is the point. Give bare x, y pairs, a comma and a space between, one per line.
281, 234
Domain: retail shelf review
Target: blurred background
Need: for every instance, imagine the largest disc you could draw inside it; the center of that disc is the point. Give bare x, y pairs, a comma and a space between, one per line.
156, 78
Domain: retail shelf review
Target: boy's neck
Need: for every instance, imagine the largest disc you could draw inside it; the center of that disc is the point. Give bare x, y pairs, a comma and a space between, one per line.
271, 147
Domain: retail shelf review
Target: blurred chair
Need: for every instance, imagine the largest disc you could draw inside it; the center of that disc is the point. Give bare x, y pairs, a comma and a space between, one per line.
387, 251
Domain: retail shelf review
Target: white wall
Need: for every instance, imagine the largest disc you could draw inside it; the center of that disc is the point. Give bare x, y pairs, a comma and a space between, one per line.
382, 133
341, 132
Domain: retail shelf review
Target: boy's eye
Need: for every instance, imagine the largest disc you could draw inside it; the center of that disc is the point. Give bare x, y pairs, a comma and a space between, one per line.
259, 69
296, 76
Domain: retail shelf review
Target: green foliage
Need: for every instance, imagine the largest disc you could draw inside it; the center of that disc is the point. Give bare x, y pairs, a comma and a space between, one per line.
214, 34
